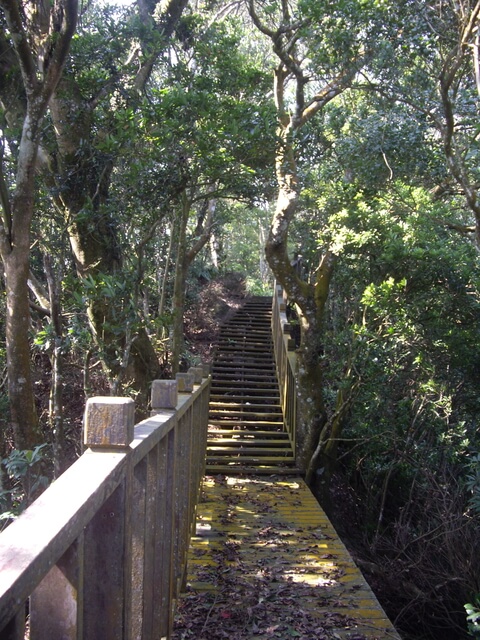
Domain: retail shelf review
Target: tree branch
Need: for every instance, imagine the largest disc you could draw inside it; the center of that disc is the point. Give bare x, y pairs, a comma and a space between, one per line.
5, 200
21, 44
63, 22
257, 22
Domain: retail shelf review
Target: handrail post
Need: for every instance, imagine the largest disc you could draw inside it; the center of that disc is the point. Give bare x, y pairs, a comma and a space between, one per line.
86, 593
152, 522
109, 424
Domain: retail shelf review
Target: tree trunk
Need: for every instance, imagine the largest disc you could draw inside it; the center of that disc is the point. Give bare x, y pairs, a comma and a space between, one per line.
83, 176
310, 301
178, 302
39, 84
56, 359
23, 414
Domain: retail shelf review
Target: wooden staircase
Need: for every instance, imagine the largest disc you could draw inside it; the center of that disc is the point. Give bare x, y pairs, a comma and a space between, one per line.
246, 433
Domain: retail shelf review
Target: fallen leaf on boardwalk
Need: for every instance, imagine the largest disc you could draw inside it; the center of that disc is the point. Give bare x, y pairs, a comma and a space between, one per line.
264, 580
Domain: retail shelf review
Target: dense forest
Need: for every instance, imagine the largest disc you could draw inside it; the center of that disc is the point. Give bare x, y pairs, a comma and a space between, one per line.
153, 152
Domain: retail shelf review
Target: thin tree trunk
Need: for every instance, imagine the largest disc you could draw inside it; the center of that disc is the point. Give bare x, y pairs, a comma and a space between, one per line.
178, 302
164, 279
56, 390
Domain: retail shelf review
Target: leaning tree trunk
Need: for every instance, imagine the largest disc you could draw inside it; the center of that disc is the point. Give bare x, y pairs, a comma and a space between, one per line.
294, 110
27, 32
84, 180
309, 298
83, 177
310, 302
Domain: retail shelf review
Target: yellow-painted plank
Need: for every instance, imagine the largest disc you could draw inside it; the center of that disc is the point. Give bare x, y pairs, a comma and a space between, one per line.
266, 562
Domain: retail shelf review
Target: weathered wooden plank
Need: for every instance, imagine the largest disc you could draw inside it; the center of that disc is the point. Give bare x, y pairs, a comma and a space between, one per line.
149, 432
149, 587
15, 629
107, 569
197, 373
56, 605
139, 552
164, 394
109, 422
182, 495
163, 559
93, 546
185, 382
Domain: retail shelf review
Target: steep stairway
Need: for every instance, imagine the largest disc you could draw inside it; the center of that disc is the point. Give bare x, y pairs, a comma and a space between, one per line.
246, 430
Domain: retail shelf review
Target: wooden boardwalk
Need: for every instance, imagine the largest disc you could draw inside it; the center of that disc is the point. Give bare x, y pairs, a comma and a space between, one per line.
267, 563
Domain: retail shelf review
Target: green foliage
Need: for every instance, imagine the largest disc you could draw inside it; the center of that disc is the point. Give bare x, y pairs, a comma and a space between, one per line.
119, 295
473, 617
420, 306
241, 246
25, 479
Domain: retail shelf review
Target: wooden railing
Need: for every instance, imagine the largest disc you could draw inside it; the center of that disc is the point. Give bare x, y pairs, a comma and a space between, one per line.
285, 358
101, 554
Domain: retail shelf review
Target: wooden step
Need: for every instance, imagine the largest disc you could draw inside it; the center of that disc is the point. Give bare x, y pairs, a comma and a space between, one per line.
235, 397
246, 407
254, 363
232, 405
232, 346
252, 459
242, 384
252, 367
245, 433
239, 376
240, 413
249, 452
246, 333
256, 358
235, 469
245, 442
239, 424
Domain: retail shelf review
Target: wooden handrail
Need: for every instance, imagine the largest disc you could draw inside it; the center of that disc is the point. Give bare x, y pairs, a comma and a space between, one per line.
285, 358
101, 554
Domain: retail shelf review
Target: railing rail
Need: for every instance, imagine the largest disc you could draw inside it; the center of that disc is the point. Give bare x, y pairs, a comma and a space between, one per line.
285, 358
101, 554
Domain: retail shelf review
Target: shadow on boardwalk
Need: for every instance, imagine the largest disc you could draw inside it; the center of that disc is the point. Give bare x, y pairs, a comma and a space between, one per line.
266, 563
